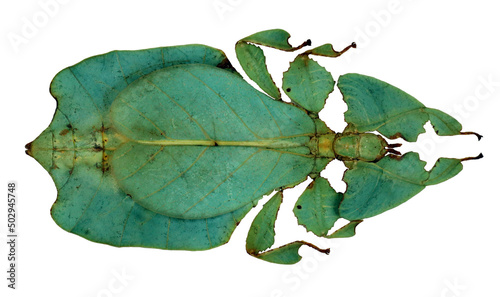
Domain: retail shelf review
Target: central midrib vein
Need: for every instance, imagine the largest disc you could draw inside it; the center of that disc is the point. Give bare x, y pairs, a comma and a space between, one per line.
209, 142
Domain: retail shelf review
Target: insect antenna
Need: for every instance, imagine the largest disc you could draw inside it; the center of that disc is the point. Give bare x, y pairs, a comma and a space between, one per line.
393, 145
390, 148
393, 151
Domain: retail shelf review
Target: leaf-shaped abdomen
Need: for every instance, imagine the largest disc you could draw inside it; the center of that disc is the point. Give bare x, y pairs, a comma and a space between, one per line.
203, 142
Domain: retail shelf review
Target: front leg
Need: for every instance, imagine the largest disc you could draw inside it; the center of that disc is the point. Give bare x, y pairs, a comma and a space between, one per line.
373, 188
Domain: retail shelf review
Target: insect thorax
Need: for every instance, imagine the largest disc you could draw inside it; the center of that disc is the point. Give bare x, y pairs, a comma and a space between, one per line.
362, 146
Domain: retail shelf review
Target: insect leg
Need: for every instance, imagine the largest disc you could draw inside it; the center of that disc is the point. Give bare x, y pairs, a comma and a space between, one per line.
261, 237
253, 61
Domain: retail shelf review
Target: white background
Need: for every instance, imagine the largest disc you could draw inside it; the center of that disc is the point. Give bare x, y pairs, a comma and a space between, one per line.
443, 242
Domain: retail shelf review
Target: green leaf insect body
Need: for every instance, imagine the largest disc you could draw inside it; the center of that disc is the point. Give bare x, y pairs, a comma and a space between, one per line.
170, 147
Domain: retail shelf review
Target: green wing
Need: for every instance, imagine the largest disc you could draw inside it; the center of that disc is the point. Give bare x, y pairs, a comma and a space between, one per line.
106, 157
